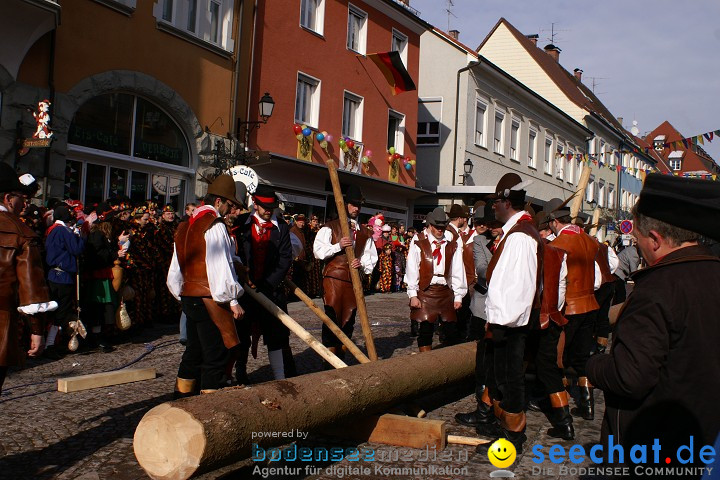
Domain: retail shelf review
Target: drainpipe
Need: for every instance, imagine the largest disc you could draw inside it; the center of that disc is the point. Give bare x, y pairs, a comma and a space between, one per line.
252, 67
51, 86
236, 68
457, 116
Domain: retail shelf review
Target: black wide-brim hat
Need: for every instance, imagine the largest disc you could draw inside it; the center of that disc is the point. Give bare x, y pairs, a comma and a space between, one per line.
354, 195
266, 197
9, 181
689, 203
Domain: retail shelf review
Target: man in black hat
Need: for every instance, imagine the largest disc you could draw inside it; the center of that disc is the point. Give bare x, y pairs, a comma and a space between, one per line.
513, 298
22, 283
329, 246
202, 277
267, 253
436, 281
459, 232
660, 376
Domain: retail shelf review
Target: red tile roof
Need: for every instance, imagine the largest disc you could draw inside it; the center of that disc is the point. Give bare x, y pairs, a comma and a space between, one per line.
694, 159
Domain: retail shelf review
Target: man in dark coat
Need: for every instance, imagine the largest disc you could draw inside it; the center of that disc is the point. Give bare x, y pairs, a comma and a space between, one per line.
267, 252
660, 378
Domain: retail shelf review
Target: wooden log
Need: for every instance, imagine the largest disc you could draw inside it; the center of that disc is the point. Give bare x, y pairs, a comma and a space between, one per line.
397, 430
582, 185
104, 379
198, 434
460, 440
350, 253
352, 348
594, 222
295, 327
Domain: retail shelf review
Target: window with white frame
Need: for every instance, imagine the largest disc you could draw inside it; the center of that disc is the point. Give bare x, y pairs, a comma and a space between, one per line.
499, 134
480, 122
569, 166
611, 195
601, 193
429, 117
590, 190
514, 139
307, 100
532, 148
560, 160
676, 163
352, 116
206, 21
548, 155
357, 29
312, 15
396, 131
399, 44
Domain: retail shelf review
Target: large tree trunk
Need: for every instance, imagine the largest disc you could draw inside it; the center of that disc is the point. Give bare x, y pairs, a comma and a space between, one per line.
180, 439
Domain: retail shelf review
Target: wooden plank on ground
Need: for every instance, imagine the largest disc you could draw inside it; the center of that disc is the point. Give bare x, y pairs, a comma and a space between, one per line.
105, 379
397, 430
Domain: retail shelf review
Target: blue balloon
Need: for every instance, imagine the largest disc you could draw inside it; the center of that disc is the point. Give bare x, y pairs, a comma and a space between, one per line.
408, 166
307, 132
320, 137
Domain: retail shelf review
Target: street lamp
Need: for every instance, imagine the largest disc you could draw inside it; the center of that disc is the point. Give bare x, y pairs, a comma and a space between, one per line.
467, 170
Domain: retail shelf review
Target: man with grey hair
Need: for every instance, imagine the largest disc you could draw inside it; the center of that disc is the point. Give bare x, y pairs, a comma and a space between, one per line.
660, 377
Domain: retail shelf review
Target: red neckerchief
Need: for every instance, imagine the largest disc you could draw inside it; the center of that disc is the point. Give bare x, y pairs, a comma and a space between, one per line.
51, 228
437, 254
525, 217
571, 230
259, 246
263, 227
201, 212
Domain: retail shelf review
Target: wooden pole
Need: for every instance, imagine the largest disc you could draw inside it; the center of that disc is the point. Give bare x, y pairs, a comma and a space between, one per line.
354, 274
352, 348
582, 184
180, 439
295, 327
594, 222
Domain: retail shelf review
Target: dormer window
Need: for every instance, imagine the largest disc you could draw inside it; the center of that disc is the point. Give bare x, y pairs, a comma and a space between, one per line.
659, 143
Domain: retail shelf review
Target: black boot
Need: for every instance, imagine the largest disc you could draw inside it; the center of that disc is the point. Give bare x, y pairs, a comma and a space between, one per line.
516, 438
562, 424
289, 363
414, 328
539, 405
586, 407
483, 414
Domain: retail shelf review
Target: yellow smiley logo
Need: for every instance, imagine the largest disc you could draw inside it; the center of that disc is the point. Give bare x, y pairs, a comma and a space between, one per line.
502, 453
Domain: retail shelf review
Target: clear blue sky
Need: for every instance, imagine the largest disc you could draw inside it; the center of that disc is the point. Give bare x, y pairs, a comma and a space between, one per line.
652, 60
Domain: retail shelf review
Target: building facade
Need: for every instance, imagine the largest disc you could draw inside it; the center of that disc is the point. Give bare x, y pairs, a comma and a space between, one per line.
135, 91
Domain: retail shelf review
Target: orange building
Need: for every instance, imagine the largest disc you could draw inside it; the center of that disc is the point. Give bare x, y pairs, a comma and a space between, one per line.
139, 91
310, 55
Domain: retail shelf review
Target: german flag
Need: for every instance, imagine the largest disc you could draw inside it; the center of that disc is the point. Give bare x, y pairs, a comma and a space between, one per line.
392, 67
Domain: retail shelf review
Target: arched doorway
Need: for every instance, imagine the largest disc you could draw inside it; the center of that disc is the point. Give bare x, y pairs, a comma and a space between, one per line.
121, 144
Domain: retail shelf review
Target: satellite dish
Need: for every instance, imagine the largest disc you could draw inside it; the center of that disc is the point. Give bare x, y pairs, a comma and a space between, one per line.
635, 130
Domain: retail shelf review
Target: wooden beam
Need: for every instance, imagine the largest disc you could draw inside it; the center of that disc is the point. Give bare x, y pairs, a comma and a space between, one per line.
104, 379
472, 441
397, 430
582, 185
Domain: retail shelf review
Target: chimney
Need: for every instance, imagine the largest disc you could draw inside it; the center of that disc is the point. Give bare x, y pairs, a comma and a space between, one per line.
533, 38
620, 120
454, 34
553, 51
578, 74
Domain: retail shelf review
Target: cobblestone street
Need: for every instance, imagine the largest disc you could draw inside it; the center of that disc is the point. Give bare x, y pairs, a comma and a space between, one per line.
88, 435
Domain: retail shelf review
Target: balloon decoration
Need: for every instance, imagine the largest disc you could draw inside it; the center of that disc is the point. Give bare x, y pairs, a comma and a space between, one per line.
303, 134
395, 159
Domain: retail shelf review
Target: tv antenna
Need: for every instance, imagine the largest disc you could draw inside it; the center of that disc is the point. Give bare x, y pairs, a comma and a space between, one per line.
595, 83
553, 33
449, 12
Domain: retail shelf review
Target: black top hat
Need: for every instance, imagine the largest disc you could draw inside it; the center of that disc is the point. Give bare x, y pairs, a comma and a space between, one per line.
354, 195
437, 218
688, 203
266, 197
510, 187
9, 181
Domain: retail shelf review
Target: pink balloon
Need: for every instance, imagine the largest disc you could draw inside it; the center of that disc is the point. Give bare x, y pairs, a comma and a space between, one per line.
368, 153
329, 137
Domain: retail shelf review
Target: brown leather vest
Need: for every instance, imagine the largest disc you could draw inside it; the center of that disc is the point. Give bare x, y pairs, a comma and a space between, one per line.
602, 260
549, 310
581, 251
337, 266
190, 248
528, 228
468, 260
426, 270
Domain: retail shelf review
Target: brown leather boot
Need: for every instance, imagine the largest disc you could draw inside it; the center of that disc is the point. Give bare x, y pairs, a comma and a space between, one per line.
184, 388
426, 348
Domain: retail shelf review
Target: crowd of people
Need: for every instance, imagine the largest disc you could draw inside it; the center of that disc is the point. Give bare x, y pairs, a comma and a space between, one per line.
533, 289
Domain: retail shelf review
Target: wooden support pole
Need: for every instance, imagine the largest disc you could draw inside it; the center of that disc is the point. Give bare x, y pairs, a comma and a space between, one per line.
582, 185
296, 328
104, 379
352, 348
354, 274
594, 222
179, 439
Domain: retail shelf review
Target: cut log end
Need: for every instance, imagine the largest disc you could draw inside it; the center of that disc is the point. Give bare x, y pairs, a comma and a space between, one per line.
169, 443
